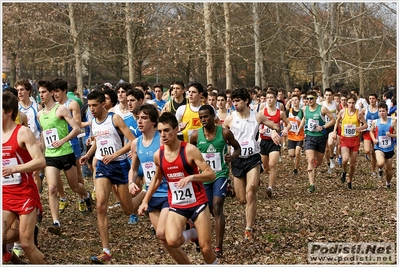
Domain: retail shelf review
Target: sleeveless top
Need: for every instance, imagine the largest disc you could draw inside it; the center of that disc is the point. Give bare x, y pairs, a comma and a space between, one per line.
108, 140
33, 122
295, 119
349, 123
370, 117
314, 119
213, 152
54, 129
129, 120
75, 140
267, 135
245, 131
385, 143
332, 108
174, 105
17, 184
146, 157
193, 194
193, 122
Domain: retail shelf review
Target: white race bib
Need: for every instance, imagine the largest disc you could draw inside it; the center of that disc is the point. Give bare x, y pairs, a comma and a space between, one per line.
268, 131
213, 160
149, 169
369, 124
182, 196
50, 136
14, 178
349, 130
247, 148
106, 146
384, 141
294, 126
312, 125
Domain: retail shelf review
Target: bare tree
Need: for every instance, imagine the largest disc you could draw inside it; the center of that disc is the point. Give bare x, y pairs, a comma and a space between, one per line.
229, 69
208, 43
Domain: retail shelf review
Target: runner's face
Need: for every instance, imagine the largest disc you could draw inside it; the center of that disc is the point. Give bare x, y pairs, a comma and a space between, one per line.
351, 104
108, 102
45, 95
206, 118
96, 108
167, 133
23, 94
383, 113
271, 100
177, 90
295, 101
328, 96
372, 100
221, 102
132, 103
212, 101
143, 122
59, 95
193, 95
121, 95
239, 104
158, 93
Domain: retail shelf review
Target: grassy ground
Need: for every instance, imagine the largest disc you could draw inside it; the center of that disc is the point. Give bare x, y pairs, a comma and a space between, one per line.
284, 224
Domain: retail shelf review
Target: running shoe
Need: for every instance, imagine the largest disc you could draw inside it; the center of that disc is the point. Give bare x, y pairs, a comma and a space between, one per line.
367, 157
116, 205
311, 188
343, 177
62, 204
7, 252
93, 195
332, 164
218, 252
350, 185
330, 170
269, 192
380, 172
55, 229
248, 234
35, 234
339, 161
89, 202
374, 174
133, 219
295, 171
103, 258
82, 207
388, 185
18, 250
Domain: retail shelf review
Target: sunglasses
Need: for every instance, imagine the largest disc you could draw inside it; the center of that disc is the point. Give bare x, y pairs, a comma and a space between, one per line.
310, 98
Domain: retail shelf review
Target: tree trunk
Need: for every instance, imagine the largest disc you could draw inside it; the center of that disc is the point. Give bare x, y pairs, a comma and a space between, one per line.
258, 51
77, 50
129, 42
229, 69
208, 44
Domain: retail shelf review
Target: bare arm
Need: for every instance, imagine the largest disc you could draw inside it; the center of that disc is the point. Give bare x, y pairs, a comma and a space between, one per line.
27, 140
63, 112
23, 119
75, 108
325, 111
194, 138
229, 137
133, 172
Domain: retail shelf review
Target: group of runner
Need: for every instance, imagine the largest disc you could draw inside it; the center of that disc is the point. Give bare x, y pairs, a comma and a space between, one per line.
173, 159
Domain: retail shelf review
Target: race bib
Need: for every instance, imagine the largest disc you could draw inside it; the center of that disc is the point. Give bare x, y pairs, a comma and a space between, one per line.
268, 131
294, 126
349, 130
182, 196
213, 160
50, 136
106, 146
247, 148
369, 124
312, 125
14, 178
149, 169
384, 141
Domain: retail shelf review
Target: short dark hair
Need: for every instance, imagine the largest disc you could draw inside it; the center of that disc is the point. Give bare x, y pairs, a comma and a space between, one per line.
25, 83
223, 95
137, 93
142, 84
72, 87
149, 110
207, 107
98, 95
241, 93
112, 95
312, 93
383, 105
10, 103
124, 85
328, 90
60, 83
160, 85
12, 90
196, 85
46, 84
168, 118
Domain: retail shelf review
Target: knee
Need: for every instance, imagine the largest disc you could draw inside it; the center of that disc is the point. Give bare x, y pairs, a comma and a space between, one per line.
218, 209
161, 237
101, 207
173, 243
52, 189
241, 200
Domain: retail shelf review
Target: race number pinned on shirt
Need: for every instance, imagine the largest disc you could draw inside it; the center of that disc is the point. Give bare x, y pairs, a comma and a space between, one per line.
349, 130
149, 171
182, 196
384, 141
268, 131
106, 146
213, 160
14, 178
312, 125
369, 124
294, 126
50, 136
247, 148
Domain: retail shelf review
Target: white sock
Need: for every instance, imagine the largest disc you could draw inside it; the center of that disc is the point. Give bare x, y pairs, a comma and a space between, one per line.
213, 263
190, 234
107, 250
63, 199
58, 222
